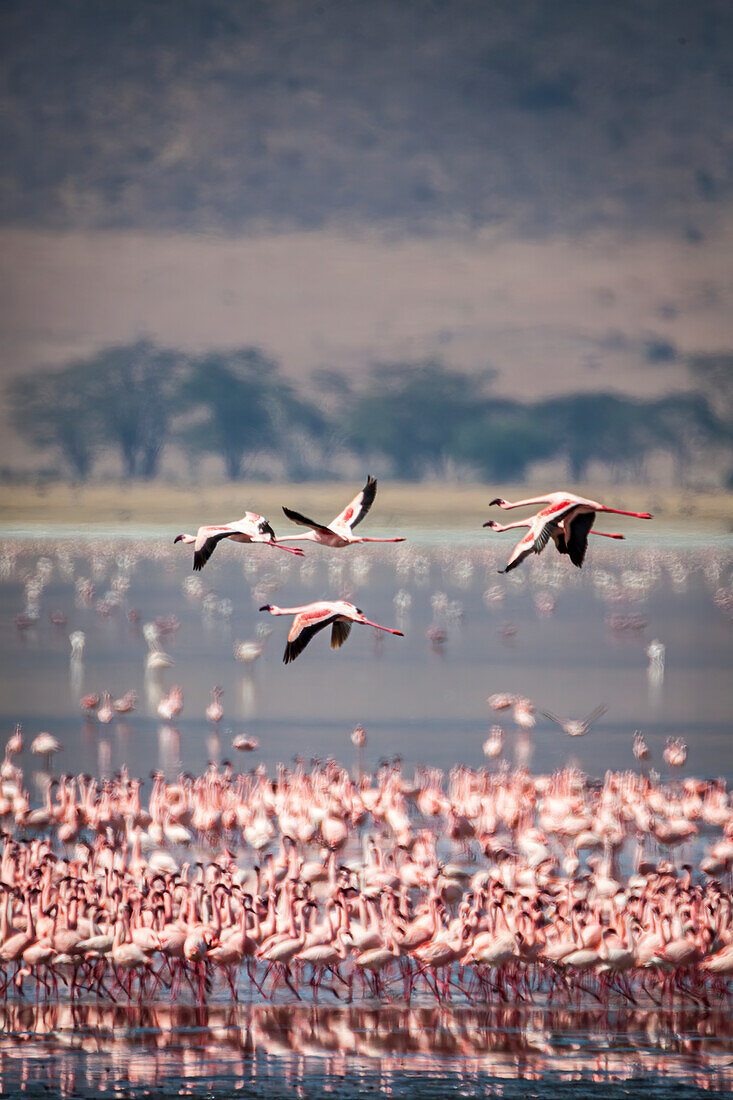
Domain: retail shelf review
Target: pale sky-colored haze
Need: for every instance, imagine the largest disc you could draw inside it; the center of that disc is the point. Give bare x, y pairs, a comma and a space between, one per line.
540, 189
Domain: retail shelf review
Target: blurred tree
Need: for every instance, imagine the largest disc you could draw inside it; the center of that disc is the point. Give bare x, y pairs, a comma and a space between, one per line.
248, 408
713, 375
503, 439
599, 427
686, 426
134, 390
413, 414
50, 409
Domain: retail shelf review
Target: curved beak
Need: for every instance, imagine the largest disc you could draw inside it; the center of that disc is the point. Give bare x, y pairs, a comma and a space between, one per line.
177, 538
496, 500
265, 607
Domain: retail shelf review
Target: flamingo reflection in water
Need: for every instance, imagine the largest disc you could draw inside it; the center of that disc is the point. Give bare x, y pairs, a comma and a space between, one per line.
159, 1044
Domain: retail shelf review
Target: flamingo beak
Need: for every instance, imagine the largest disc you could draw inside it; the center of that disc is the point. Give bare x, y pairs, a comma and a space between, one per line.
496, 500
177, 538
490, 522
266, 607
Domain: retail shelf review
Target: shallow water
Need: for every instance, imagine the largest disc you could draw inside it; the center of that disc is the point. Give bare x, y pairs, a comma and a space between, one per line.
278, 1051
567, 639
423, 700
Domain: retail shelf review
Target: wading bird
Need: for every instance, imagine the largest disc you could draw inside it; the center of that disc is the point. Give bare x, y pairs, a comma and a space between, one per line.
312, 617
338, 532
250, 528
567, 520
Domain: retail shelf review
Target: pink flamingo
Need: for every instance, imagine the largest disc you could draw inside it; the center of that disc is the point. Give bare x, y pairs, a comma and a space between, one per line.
567, 520
338, 533
250, 528
312, 617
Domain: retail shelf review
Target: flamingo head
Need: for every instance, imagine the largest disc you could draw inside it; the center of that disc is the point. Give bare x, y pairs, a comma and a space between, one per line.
179, 538
266, 607
496, 500
491, 522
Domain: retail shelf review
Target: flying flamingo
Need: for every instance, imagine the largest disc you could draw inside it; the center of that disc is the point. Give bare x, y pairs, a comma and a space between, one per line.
576, 727
312, 617
567, 520
338, 533
250, 528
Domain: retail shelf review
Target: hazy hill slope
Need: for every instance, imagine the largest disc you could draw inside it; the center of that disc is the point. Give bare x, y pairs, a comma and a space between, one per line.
231, 114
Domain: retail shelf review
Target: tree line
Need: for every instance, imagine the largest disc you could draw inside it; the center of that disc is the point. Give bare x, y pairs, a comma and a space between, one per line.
407, 419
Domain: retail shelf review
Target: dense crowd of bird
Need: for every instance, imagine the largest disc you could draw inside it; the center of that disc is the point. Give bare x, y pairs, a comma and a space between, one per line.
313, 879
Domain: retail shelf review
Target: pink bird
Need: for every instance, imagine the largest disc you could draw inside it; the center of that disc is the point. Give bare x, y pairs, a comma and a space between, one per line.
312, 617
338, 532
215, 711
171, 705
249, 529
567, 520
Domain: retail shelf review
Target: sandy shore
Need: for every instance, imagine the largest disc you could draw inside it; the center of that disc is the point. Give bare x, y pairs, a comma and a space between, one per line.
399, 505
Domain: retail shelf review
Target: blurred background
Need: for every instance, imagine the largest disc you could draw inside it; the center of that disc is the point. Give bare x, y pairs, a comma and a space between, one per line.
440, 240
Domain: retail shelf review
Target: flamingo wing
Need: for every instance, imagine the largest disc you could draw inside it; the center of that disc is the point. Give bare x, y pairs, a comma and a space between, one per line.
297, 517
303, 629
577, 540
354, 512
206, 540
339, 633
523, 549
533, 542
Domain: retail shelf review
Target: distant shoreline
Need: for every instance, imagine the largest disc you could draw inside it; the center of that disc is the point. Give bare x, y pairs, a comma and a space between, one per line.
427, 506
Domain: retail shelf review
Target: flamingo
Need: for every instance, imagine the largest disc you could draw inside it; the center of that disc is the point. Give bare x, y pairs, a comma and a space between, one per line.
312, 617
576, 727
338, 533
567, 520
250, 528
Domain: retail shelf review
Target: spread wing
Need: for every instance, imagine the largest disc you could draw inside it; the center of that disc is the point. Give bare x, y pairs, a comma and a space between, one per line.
577, 540
354, 512
206, 540
339, 633
533, 542
297, 517
301, 633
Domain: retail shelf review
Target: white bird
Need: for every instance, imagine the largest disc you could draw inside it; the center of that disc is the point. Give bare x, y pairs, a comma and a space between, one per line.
244, 743
567, 520
576, 727
339, 532
249, 529
312, 617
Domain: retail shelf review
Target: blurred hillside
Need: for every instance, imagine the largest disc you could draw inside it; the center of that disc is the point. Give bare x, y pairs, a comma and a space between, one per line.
440, 237
229, 115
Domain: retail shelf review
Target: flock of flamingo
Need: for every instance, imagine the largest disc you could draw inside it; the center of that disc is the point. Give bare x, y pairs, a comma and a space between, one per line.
320, 883
567, 520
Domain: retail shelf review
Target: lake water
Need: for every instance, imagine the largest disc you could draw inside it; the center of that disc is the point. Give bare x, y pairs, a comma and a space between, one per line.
570, 640
282, 1051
